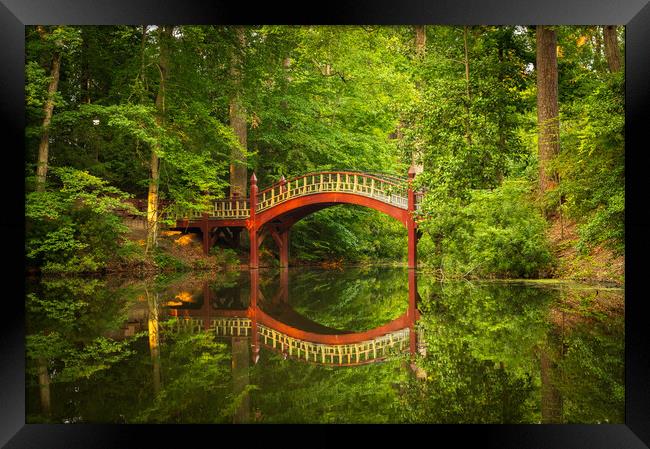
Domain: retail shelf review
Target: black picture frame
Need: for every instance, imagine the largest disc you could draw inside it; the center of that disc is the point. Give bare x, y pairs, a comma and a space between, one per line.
15, 14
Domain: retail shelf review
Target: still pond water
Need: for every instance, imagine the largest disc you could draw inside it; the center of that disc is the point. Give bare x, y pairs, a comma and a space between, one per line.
371, 345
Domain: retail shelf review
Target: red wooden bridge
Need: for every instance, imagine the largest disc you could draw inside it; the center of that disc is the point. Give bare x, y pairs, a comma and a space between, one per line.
273, 210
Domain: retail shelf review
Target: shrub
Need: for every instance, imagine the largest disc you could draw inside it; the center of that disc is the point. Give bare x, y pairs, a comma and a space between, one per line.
225, 256
72, 228
167, 262
498, 233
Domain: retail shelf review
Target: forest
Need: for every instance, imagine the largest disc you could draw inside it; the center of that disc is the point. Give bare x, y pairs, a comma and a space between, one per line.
517, 133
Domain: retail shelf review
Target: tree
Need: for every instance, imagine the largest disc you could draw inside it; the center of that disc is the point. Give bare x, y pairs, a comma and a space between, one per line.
612, 52
420, 52
237, 115
164, 34
58, 39
547, 105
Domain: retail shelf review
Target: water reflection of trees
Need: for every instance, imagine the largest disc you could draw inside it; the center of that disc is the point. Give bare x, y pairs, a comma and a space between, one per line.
89, 365
495, 355
492, 353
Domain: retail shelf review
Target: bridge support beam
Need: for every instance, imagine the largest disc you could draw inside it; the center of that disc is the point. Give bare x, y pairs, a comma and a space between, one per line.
253, 243
252, 314
281, 237
411, 225
206, 234
412, 245
284, 249
252, 225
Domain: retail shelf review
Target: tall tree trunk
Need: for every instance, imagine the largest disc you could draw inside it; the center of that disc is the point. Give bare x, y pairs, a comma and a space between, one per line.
154, 339
468, 133
501, 120
598, 45
143, 42
612, 52
547, 105
240, 377
420, 40
44, 386
238, 170
85, 66
420, 52
44, 146
551, 400
165, 34
286, 65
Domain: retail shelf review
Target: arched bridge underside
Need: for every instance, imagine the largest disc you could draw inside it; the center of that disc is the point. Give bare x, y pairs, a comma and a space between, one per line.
350, 348
273, 324
272, 211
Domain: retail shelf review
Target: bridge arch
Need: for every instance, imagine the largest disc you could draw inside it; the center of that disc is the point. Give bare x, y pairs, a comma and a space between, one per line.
272, 211
297, 208
305, 194
310, 343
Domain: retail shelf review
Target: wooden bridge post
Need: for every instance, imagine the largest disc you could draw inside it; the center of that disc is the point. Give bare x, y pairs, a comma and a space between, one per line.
206, 233
284, 249
283, 184
252, 314
252, 225
412, 235
206, 306
284, 286
411, 314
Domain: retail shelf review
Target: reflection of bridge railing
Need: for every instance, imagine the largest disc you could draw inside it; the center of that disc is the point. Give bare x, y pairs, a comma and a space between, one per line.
327, 354
387, 189
343, 354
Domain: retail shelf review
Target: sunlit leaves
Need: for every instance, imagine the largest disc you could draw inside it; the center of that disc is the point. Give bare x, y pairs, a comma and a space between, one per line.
73, 228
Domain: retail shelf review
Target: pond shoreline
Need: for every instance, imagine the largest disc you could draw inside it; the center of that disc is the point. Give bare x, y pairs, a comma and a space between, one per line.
182, 253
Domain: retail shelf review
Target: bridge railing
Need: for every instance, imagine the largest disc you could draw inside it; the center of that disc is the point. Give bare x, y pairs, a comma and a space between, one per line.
222, 208
232, 208
325, 354
341, 354
181, 213
387, 191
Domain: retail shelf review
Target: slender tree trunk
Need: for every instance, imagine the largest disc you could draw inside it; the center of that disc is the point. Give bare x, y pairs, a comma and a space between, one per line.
165, 34
154, 339
547, 105
240, 377
551, 401
44, 146
598, 45
468, 133
286, 65
85, 67
420, 40
143, 42
420, 52
612, 52
238, 170
44, 386
501, 120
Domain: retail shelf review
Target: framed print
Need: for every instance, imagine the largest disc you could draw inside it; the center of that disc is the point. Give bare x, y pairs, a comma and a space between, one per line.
367, 213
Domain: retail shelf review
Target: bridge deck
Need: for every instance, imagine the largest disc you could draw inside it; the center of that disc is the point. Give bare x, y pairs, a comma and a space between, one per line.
386, 189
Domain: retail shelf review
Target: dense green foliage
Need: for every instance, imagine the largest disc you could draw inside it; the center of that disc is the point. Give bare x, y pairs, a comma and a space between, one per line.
497, 233
481, 347
381, 291
320, 98
73, 228
367, 98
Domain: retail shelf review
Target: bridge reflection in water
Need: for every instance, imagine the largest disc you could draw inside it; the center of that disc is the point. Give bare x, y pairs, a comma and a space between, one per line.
273, 324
